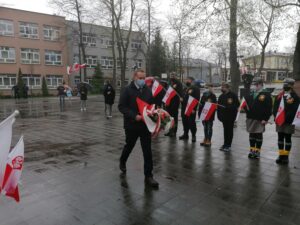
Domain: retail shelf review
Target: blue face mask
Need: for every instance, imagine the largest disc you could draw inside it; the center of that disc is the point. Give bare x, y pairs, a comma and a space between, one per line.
140, 83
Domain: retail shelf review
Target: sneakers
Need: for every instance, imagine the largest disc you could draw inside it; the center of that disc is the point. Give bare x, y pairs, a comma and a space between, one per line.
122, 166
149, 181
227, 149
251, 153
254, 153
184, 137
84, 109
221, 148
81, 109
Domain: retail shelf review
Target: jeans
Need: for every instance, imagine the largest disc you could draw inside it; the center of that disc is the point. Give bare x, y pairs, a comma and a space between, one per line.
62, 101
109, 108
208, 129
145, 140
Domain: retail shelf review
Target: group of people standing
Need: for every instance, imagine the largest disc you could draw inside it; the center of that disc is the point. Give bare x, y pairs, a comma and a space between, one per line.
259, 108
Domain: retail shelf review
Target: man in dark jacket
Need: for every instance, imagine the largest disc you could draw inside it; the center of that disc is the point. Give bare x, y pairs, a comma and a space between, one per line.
61, 94
173, 108
227, 112
286, 130
189, 122
208, 96
134, 126
259, 111
109, 98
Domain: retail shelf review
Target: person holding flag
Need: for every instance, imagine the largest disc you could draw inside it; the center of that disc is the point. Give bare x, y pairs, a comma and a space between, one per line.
227, 114
134, 125
173, 107
208, 96
285, 118
192, 92
258, 111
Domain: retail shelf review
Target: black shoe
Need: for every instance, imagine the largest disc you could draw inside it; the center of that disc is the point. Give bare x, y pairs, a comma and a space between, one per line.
282, 160
123, 166
168, 134
149, 181
194, 139
221, 148
172, 134
184, 137
226, 149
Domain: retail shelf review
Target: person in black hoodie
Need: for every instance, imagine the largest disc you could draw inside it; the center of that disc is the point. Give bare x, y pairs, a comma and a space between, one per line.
208, 96
173, 108
259, 111
109, 98
134, 126
285, 131
227, 112
189, 122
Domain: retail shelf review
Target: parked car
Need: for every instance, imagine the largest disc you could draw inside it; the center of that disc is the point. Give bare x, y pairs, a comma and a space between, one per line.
200, 83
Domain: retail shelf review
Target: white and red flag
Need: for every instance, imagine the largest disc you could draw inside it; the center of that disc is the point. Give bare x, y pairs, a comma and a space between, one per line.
170, 94
75, 68
5, 142
296, 121
243, 105
156, 88
191, 104
280, 116
145, 111
13, 171
207, 111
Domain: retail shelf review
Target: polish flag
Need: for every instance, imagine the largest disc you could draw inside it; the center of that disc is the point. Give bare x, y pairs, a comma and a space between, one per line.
207, 111
192, 103
156, 88
145, 111
280, 117
170, 94
13, 171
296, 121
69, 70
77, 66
243, 105
5, 142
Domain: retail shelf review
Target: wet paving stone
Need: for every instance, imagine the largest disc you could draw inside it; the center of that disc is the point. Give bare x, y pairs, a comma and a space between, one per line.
71, 174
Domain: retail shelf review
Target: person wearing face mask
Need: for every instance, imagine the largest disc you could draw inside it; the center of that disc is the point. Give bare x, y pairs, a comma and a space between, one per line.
134, 126
189, 122
285, 131
227, 112
258, 111
173, 108
208, 96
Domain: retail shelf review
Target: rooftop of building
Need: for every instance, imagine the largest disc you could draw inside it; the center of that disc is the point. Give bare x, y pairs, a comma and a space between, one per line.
270, 53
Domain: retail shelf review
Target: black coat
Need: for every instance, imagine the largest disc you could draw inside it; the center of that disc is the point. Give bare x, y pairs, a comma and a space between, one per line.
291, 105
231, 103
83, 92
175, 103
193, 91
260, 108
128, 106
158, 98
109, 94
207, 97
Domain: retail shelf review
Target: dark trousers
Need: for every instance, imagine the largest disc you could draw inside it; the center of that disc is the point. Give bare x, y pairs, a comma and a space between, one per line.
228, 132
109, 108
145, 139
174, 114
208, 129
284, 141
61, 101
256, 140
189, 124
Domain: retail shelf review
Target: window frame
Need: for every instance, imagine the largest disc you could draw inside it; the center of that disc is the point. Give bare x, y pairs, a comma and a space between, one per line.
8, 59
31, 60
6, 23
53, 31
29, 29
51, 54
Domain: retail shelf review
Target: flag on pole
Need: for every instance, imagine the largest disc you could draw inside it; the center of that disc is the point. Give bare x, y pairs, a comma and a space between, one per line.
207, 111
243, 105
75, 68
5, 142
145, 110
13, 171
280, 116
170, 94
156, 88
192, 103
296, 121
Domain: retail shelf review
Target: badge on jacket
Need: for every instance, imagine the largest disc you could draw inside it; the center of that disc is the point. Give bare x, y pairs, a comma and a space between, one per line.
230, 101
262, 98
290, 101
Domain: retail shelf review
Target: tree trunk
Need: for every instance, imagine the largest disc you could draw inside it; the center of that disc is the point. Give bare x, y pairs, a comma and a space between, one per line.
234, 68
148, 64
262, 60
296, 64
180, 58
210, 73
113, 29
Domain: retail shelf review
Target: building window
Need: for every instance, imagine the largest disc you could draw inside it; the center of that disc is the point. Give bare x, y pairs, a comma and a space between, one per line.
29, 30
7, 80
51, 33
53, 57
139, 63
30, 56
32, 80
89, 39
136, 44
107, 62
6, 28
7, 55
281, 75
91, 61
54, 80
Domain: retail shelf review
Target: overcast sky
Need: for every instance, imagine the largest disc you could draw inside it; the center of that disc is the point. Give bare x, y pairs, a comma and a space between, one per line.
162, 8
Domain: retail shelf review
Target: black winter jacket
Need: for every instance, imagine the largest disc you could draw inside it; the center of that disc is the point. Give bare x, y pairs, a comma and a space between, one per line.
231, 104
260, 108
109, 94
207, 97
291, 104
193, 91
128, 106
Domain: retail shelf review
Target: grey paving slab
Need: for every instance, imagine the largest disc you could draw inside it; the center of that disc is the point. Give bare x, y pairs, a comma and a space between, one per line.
71, 174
